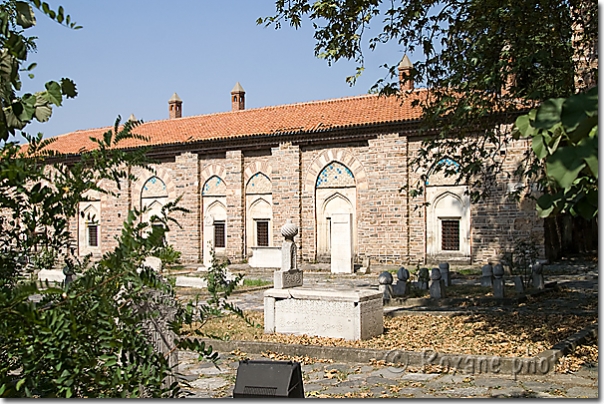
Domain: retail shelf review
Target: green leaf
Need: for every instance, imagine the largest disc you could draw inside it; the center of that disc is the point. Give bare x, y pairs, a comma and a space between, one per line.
54, 94
579, 107
25, 15
548, 114
564, 166
523, 123
587, 149
68, 88
19, 384
539, 146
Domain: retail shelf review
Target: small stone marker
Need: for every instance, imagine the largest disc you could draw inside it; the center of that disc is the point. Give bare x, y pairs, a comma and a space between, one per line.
498, 282
423, 277
385, 280
444, 273
437, 285
366, 268
401, 287
519, 285
487, 276
537, 275
289, 276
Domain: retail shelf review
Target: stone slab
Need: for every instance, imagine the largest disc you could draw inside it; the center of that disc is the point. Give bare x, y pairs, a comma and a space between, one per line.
348, 314
341, 243
265, 257
51, 275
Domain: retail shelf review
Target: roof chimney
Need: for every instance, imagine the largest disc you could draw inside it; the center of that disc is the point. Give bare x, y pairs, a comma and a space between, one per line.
175, 106
238, 98
404, 74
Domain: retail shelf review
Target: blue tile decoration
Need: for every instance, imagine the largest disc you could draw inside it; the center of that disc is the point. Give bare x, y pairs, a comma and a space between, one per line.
214, 186
335, 175
154, 188
443, 162
259, 184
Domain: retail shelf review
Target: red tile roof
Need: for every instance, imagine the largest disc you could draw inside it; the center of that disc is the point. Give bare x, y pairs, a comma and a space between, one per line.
301, 117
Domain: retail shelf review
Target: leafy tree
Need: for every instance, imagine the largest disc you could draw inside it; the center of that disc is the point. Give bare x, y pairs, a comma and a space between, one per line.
564, 133
90, 337
483, 61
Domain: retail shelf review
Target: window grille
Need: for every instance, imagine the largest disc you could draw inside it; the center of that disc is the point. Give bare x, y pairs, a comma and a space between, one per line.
93, 235
219, 235
262, 233
450, 235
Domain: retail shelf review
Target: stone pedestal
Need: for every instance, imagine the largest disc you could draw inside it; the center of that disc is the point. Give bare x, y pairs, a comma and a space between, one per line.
341, 243
348, 314
287, 279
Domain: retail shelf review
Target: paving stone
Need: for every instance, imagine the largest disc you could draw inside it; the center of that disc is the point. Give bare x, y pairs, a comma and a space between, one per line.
387, 373
445, 379
466, 391
352, 383
337, 390
495, 382
378, 380
341, 367
210, 383
189, 378
537, 386
509, 392
419, 377
313, 387
581, 392
411, 391
569, 379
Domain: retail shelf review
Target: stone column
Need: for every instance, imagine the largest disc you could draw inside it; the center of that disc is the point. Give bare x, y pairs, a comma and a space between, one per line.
186, 181
286, 188
235, 222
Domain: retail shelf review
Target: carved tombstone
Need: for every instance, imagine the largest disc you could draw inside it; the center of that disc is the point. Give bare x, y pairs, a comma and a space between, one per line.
537, 276
289, 276
444, 273
487, 276
385, 280
423, 277
437, 285
156, 326
498, 282
401, 287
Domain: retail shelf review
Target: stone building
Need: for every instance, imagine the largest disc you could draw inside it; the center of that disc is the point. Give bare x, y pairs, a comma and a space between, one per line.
242, 173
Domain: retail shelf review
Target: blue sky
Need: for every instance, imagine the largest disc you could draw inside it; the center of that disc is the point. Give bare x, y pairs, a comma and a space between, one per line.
132, 55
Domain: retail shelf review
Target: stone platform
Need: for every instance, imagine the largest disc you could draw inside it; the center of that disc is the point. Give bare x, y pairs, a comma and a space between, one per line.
349, 314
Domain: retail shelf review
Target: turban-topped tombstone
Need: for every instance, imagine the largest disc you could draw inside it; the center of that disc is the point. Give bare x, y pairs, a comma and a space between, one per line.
289, 276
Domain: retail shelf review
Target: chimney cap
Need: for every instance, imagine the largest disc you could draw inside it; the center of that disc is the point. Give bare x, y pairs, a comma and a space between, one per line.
237, 89
405, 63
132, 117
175, 98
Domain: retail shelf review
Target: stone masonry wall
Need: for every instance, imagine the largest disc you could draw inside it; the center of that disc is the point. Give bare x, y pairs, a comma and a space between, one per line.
235, 198
286, 191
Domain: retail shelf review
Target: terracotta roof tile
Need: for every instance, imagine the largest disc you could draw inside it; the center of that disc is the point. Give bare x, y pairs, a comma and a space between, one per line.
301, 117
